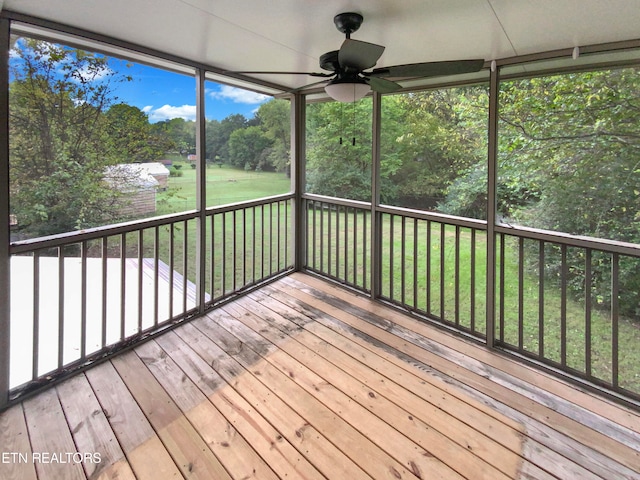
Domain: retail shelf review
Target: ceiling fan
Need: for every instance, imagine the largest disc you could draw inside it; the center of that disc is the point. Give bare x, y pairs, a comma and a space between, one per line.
349, 81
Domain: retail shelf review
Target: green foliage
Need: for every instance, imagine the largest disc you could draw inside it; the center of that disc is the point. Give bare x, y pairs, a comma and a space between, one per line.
175, 172
439, 137
58, 97
263, 143
569, 143
339, 149
130, 137
177, 135
249, 148
274, 119
467, 194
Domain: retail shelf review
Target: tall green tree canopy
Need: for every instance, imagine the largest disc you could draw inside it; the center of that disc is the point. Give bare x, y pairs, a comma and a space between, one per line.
130, 137
57, 99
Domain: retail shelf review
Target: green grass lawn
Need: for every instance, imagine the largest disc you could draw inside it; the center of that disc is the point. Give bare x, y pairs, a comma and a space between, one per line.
224, 185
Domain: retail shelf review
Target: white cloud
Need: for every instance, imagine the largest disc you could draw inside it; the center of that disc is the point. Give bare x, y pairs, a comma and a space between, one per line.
167, 112
238, 95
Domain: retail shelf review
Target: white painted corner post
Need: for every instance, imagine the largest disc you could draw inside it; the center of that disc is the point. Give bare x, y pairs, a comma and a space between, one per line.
5, 260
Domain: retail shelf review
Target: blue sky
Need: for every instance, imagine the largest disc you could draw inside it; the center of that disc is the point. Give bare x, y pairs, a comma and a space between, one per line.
163, 95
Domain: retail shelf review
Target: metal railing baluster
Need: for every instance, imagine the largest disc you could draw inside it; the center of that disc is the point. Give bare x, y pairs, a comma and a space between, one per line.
61, 301
83, 300
442, 271
520, 293
456, 280
156, 274
104, 254
615, 317
35, 344
564, 273
123, 283
472, 281
541, 267
140, 268
587, 312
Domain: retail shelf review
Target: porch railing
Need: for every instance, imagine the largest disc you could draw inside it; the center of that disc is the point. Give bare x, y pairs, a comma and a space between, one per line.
557, 296
558, 301
82, 296
338, 240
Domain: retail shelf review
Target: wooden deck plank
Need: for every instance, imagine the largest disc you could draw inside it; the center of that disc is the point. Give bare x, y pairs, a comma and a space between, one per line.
189, 451
597, 441
51, 440
482, 436
328, 383
91, 432
574, 395
237, 456
259, 433
478, 416
16, 462
429, 352
145, 452
384, 435
362, 450
596, 412
312, 445
546, 442
540, 450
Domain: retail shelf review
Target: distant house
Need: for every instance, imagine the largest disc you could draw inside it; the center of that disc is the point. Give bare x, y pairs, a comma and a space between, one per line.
138, 187
167, 162
158, 171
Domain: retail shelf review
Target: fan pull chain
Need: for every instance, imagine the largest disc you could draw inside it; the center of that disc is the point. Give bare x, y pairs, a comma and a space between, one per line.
341, 122
353, 142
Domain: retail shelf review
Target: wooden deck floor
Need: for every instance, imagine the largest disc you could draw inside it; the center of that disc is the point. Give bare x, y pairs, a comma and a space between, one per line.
305, 380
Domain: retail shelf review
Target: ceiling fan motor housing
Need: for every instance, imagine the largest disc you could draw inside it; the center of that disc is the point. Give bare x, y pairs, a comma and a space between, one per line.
348, 22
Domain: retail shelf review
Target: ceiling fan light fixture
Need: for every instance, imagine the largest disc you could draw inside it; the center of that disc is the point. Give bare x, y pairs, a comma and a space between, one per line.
347, 92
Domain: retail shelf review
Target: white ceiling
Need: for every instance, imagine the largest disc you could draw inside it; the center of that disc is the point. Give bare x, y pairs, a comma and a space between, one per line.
290, 35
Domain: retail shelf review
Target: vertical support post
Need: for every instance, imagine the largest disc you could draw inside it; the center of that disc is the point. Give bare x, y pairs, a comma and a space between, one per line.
376, 227
492, 180
298, 180
5, 238
201, 192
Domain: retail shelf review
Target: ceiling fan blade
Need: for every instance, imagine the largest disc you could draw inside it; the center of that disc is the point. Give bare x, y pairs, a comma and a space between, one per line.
312, 74
382, 86
357, 55
429, 69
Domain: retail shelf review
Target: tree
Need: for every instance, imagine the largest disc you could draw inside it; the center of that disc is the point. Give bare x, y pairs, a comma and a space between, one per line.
575, 135
274, 119
178, 133
129, 136
248, 148
571, 142
443, 138
218, 134
57, 97
339, 149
